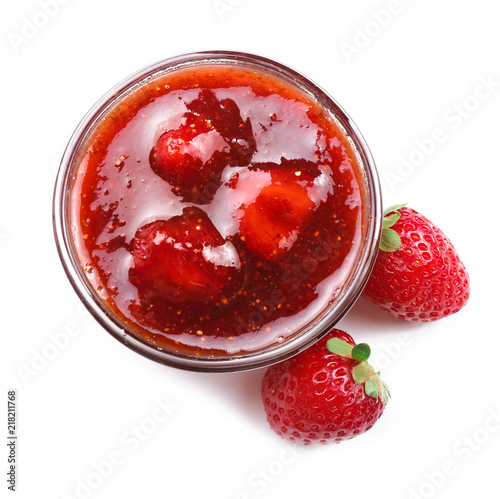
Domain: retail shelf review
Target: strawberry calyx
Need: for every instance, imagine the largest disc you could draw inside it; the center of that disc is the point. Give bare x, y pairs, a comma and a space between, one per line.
362, 372
390, 240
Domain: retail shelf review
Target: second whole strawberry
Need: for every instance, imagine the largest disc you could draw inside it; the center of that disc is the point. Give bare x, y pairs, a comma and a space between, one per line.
418, 275
325, 394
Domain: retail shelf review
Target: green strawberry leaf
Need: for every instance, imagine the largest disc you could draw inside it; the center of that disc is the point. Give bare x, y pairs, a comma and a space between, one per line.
340, 347
390, 240
362, 372
384, 396
386, 388
390, 220
395, 208
371, 388
361, 352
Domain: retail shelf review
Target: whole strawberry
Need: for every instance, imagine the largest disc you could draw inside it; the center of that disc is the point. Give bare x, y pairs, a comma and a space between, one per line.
418, 275
326, 394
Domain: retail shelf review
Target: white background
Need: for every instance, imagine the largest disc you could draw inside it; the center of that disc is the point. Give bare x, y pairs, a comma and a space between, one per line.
418, 68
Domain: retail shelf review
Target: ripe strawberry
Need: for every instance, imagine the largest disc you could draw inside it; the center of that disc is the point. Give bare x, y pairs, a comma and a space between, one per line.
270, 225
183, 259
418, 275
326, 394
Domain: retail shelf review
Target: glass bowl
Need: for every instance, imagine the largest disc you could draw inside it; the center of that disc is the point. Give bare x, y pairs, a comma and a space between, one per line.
277, 348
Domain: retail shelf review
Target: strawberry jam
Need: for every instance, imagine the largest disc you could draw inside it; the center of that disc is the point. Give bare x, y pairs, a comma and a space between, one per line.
217, 210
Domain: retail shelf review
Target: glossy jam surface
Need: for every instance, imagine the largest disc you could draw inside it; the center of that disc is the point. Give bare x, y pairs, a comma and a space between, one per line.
217, 210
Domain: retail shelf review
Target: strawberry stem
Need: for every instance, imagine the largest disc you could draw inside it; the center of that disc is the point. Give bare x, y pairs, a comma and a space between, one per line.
362, 372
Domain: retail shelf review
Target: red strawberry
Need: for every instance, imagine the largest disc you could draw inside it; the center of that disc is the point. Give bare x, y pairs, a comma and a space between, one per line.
270, 225
183, 259
418, 275
320, 397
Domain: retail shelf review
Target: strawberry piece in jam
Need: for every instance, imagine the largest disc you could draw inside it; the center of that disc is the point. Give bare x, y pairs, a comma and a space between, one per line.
192, 157
184, 158
183, 259
271, 224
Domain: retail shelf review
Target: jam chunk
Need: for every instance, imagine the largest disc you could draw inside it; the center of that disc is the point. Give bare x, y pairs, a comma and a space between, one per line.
271, 224
183, 259
192, 157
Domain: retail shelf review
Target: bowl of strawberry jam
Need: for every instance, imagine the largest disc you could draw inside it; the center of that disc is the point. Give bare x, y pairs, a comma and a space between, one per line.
217, 211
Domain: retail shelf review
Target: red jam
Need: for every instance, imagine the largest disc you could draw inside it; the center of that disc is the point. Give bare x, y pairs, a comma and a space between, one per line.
217, 210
